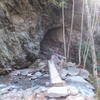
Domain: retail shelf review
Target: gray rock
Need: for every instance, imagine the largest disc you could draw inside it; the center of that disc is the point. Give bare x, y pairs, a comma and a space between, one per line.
61, 91
84, 73
73, 71
15, 73
29, 74
26, 72
38, 74
76, 79
3, 85
64, 72
83, 89
70, 64
79, 79
86, 92
33, 77
46, 75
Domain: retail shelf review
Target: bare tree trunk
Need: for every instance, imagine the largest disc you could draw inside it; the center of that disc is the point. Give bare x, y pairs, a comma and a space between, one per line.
80, 46
64, 36
86, 54
91, 41
93, 26
72, 22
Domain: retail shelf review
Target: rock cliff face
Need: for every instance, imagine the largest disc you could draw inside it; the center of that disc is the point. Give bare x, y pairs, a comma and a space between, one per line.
23, 24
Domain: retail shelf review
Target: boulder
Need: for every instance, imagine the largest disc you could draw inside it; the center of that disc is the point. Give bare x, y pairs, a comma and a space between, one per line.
61, 91
81, 84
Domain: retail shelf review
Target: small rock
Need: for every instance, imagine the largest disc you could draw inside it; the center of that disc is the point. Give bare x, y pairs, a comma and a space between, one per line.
64, 73
29, 75
73, 71
38, 74
47, 83
15, 73
70, 64
25, 72
46, 75
84, 73
33, 77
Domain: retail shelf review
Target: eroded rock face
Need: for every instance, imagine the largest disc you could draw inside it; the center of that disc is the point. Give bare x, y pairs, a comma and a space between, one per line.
22, 27
17, 44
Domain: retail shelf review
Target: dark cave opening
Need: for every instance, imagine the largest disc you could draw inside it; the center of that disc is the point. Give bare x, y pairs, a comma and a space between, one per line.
52, 43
